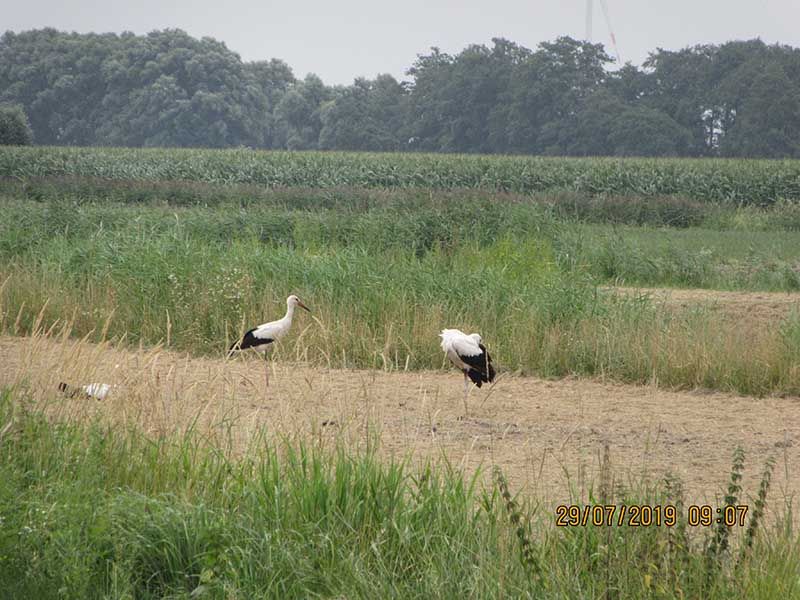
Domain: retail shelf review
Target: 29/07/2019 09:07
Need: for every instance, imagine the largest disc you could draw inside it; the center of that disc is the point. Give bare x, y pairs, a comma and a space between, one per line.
645, 515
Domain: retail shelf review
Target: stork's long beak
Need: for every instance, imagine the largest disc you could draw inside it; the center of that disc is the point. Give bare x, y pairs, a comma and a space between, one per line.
301, 305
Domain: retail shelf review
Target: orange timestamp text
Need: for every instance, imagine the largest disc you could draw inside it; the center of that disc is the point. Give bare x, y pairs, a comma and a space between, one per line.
645, 515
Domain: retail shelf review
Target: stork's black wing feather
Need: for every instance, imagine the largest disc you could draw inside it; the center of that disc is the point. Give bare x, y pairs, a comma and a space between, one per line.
72, 392
249, 341
475, 377
489, 368
480, 366
68, 390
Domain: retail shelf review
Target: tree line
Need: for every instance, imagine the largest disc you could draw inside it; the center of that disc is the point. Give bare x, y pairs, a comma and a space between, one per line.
565, 97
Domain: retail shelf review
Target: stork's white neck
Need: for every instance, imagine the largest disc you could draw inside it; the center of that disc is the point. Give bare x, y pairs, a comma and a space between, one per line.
289, 312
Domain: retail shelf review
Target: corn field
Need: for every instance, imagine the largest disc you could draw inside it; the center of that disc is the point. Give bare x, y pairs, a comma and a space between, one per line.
742, 182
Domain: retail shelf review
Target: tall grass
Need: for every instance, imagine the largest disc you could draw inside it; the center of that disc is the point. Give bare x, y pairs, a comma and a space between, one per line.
87, 511
696, 257
664, 241
383, 280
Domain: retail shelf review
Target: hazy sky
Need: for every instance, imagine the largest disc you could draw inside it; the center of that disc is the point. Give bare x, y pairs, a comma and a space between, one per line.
343, 39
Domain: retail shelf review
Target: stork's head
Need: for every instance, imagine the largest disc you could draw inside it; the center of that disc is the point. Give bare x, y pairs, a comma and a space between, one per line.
293, 301
476, 337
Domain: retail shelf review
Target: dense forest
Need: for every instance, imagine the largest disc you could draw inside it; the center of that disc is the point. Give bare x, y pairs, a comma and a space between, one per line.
566, 97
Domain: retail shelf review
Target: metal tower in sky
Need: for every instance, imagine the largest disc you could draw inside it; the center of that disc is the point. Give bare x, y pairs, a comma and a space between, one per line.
589, 14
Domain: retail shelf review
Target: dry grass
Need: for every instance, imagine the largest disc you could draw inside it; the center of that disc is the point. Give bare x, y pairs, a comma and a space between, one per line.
627, 339
547, 436
191, 500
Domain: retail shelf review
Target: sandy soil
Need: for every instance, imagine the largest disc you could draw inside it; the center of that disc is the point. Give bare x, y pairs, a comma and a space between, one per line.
547, 436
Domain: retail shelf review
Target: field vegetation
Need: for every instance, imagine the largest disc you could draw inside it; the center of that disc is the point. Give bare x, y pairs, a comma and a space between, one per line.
188, 248
733, 181
192, 480
93, 511
192, 264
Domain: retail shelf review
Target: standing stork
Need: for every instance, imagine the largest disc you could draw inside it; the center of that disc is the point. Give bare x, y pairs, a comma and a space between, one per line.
266, 333
468, 353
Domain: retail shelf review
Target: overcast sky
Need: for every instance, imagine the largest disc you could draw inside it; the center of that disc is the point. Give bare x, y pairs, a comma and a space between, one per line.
343, 39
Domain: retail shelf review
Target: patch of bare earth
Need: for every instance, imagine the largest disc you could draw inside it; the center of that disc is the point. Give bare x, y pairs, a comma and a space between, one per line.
546, 435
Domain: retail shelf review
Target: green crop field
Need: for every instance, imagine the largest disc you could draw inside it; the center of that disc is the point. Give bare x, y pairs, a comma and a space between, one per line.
758, 182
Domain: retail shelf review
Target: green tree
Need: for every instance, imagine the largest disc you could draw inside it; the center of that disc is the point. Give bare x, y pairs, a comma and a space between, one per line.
644, 131
454, 101
58, 78
694, 87
14, 127
548, 90
298, 115
165, 88
366, 116
273, 79
168, 89
630, 84
766, 117
587, 133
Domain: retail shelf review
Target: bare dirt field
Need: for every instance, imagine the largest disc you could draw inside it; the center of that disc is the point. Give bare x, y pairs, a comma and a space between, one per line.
547, 436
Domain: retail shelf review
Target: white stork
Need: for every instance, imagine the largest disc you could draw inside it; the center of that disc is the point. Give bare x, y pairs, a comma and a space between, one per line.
266, 333
98, 391
468, 353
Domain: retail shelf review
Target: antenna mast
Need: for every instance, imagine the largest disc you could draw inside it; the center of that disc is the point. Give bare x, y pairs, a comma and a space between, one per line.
604, 6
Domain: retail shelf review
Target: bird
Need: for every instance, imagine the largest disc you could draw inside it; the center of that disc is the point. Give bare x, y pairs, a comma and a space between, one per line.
267, 333
98, 391
468, 353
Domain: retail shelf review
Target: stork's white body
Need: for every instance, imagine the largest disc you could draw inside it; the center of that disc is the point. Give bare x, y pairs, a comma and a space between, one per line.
267, 333
275, 330
457, 344
97, 390
468, 354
